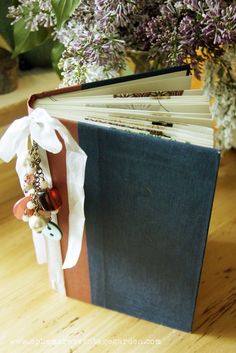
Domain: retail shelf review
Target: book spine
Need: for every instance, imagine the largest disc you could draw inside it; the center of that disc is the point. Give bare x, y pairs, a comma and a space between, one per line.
77, 279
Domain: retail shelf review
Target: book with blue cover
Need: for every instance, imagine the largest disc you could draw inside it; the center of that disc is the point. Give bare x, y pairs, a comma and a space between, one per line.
149, 187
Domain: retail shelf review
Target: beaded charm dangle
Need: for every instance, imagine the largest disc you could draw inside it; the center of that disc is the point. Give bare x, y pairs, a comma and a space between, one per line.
40, 202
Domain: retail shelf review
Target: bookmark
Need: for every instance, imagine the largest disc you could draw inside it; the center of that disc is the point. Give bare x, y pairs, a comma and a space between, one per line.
41, 202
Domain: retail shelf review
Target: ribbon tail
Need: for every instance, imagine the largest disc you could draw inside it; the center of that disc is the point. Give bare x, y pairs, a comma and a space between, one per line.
40, 248
52, 248
75, 162
55, 272
15, 139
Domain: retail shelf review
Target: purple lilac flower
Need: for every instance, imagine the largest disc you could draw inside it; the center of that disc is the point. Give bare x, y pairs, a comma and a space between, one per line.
184, 27
219, 24
114, 14
100, 31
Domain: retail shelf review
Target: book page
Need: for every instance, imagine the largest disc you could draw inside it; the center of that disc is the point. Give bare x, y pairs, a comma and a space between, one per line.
163, 106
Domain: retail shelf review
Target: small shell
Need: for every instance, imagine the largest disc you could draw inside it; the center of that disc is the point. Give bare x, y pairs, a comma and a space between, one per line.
20, 207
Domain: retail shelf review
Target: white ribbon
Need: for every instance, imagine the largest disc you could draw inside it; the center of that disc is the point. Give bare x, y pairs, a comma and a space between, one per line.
42, 128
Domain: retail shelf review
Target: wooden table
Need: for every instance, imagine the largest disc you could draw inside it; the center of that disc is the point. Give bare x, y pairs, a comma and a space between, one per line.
33, 318
13, 105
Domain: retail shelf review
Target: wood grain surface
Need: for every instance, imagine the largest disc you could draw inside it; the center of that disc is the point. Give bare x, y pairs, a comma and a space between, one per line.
33, 318
14, 104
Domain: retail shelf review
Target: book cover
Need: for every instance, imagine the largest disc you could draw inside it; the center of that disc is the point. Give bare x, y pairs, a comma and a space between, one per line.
148, 203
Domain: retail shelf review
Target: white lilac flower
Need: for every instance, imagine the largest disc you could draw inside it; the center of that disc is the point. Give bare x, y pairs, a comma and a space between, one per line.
97, 73
220, 83
35, 13
87, 47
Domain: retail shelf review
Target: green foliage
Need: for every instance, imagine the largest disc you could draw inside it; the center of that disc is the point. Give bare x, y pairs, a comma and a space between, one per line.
26, 40
56, 53
6, 29
22, 40
64, 9
39, 56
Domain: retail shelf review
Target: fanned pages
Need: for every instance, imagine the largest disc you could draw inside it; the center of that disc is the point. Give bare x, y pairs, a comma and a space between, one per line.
161, 105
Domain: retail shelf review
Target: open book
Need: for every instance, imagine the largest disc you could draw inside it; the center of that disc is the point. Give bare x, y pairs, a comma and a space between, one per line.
149, 187
156, 103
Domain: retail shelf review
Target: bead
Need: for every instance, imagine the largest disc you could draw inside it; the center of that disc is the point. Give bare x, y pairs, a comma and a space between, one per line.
52, 231
29, 212
55, 198
27, 187
37, 223
45, 201
31, 191
43, 184
45, 214
29, 178
20, 206
30, 205
50, 200
25, 218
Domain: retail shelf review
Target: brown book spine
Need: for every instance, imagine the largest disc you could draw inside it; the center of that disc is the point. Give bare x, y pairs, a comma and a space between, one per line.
77, 279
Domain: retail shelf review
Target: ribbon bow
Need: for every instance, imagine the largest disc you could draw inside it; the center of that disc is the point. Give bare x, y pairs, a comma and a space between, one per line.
42, 128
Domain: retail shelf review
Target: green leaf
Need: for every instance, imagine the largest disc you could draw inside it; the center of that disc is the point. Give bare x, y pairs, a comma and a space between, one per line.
56, 53
6, 29
26, 40
221, 72
39, 56
63, 10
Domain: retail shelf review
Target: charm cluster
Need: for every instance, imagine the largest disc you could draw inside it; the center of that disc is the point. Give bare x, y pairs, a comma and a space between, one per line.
40, 202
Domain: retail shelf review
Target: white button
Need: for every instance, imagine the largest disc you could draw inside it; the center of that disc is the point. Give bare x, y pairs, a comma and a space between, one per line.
52, 231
